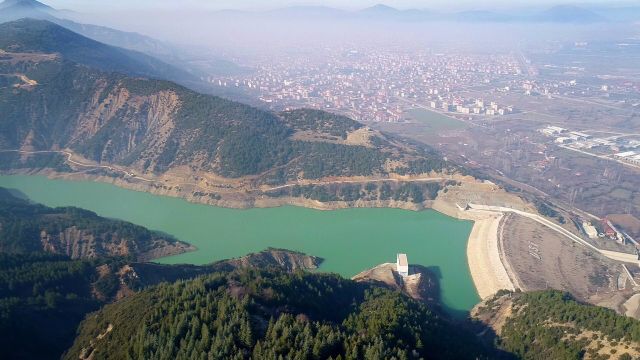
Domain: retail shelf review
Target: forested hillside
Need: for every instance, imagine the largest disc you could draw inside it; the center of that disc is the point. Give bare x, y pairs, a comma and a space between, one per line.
44, 293
270, 315
28, 35
552, 325
60, 92
43, 297
27, 228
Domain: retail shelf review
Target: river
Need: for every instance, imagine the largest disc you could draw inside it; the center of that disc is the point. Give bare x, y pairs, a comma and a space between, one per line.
350, 240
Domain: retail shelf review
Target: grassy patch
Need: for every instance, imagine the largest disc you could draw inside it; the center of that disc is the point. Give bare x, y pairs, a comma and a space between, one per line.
433, 120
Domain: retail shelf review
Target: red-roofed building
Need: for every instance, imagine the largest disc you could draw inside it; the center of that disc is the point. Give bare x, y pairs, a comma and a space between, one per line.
609, 230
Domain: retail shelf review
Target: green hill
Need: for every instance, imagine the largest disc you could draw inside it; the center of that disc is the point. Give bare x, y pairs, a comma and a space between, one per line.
40, 36
263, 314
552, 325
44, 297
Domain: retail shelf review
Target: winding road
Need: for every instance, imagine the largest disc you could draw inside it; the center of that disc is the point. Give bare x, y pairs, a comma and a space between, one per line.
70, 160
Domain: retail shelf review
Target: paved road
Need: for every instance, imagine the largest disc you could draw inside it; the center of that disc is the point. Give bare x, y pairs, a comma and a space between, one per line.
70, 160
595, 103
600, 156
614, 255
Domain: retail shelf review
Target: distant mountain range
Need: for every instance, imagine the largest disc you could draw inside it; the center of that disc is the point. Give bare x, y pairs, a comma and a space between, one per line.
15, 9
24, 5
140, 46
174, 67
557, 14
41, 36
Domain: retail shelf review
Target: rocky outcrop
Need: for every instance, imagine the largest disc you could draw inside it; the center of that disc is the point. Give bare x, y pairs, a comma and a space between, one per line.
421, 284
280, 258
136, 276
79, 234
494, 311
87, 244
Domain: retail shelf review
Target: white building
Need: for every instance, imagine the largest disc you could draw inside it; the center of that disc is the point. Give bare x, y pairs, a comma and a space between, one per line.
553, 130
629, 156
563, 140
581, 135
625, 154
402, 264
590, 230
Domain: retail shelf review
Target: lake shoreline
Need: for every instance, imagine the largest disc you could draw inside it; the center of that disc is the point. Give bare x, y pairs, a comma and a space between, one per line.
244, 199
482, 242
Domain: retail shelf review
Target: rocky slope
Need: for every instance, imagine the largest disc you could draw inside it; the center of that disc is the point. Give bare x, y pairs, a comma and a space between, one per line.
279, 258
422, 285
61, 95
133, 277
76, 233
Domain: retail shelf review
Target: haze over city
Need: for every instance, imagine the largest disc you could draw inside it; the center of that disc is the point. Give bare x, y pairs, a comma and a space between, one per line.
350, 5
319, 179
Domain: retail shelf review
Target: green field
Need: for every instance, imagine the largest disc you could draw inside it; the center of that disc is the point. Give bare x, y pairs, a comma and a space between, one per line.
434, 121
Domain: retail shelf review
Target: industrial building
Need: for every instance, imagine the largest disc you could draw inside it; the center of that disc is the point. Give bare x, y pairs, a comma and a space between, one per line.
629, 156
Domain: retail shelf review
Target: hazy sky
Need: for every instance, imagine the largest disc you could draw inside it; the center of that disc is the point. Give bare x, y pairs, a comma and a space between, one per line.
95, 5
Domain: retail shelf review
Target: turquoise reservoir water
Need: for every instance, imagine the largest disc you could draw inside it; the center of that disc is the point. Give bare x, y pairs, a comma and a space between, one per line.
349, 240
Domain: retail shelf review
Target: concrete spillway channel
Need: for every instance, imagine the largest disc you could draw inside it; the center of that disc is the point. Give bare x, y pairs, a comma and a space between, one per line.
630, 276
